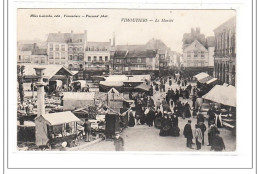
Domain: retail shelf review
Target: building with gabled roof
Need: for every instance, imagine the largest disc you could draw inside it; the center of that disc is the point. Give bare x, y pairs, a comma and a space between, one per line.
195, 55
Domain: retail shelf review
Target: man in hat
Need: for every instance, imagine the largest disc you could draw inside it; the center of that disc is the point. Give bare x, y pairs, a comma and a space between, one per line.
87, 129
119, 142
188, 134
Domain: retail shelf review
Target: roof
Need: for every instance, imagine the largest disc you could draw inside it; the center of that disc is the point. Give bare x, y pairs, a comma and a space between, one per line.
78, 95
205, 79
201, 76
120, 54
196, 45
225, 95
28, 47
39, 52
66, 37
156, 44
95, 44
143, 87
49, 72
60, 118
227, 24
130, 47
211, 80
141, 53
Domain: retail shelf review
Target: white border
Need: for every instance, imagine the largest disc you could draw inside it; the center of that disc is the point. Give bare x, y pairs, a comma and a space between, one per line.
242, 158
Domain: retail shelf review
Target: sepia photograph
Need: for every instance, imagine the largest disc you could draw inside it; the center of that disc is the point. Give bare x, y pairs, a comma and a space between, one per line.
143, 80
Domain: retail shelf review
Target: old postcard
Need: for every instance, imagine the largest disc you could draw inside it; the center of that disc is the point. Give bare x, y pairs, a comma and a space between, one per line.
126, 80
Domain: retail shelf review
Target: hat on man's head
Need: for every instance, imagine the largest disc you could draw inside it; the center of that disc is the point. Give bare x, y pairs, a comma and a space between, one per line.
189, 121
117, 132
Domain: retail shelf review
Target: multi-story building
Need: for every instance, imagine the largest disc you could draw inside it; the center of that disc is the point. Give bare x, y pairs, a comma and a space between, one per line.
24, 53
31, 54
97, 57
225, 52
67, 49
136, 61
197, 52
39, 56
195, 55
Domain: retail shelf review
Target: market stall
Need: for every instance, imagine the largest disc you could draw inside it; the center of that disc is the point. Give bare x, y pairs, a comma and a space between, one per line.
55, 128
200, 76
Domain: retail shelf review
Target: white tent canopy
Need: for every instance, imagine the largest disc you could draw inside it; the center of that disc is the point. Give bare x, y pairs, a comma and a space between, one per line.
211, 80
225, 95
201, 76
60, 118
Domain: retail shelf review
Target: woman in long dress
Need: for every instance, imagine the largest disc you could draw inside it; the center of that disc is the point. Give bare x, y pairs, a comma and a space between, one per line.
131, 122
187, 110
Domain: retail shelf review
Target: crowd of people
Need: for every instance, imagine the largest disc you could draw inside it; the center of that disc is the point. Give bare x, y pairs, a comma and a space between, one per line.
164, 114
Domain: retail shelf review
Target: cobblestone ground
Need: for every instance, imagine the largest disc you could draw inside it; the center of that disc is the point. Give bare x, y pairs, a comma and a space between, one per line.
144, 138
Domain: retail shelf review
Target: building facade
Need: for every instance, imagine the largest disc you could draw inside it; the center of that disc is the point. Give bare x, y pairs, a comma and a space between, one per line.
195, 55
97, 56
225, 52
67, 49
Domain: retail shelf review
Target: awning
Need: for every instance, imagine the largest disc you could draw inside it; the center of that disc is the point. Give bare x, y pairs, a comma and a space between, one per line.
204, 80
201, 75
143, 87
225, 95
60, 118
211, 80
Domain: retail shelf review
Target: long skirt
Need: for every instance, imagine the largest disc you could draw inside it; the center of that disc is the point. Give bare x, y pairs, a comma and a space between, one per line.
131, 122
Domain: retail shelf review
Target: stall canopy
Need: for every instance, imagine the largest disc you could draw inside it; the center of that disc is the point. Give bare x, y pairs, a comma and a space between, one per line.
60, 118
204, 80
49, 72
201, 76
211, 80
143, 87
225, 95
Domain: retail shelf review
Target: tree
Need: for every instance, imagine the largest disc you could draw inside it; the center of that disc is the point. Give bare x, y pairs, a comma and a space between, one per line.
20, 78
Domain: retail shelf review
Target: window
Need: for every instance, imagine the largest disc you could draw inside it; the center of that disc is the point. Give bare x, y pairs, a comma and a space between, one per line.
50, 55
89, 58
57, 47
76, 57
195, 54
128, 60
139, 60
117, 67
70, 49
62, 47
70, 57
43, 60
117, 60
62, 55
80, 48
80, 40
57, 55
57, 63
81, 57
86, 48
19, 58
95, 58
70, 66
36, 60
80, 66
51, 47
103, 49
106, 58
188, 54
51, 62
100, 58
202, 55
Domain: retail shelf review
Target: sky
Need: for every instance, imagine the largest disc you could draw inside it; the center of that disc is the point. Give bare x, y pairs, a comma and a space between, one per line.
101, 29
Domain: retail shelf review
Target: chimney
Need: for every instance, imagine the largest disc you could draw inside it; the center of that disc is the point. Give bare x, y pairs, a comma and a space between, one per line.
114, 39
34, 45
110, 41
59, 32
71, 32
